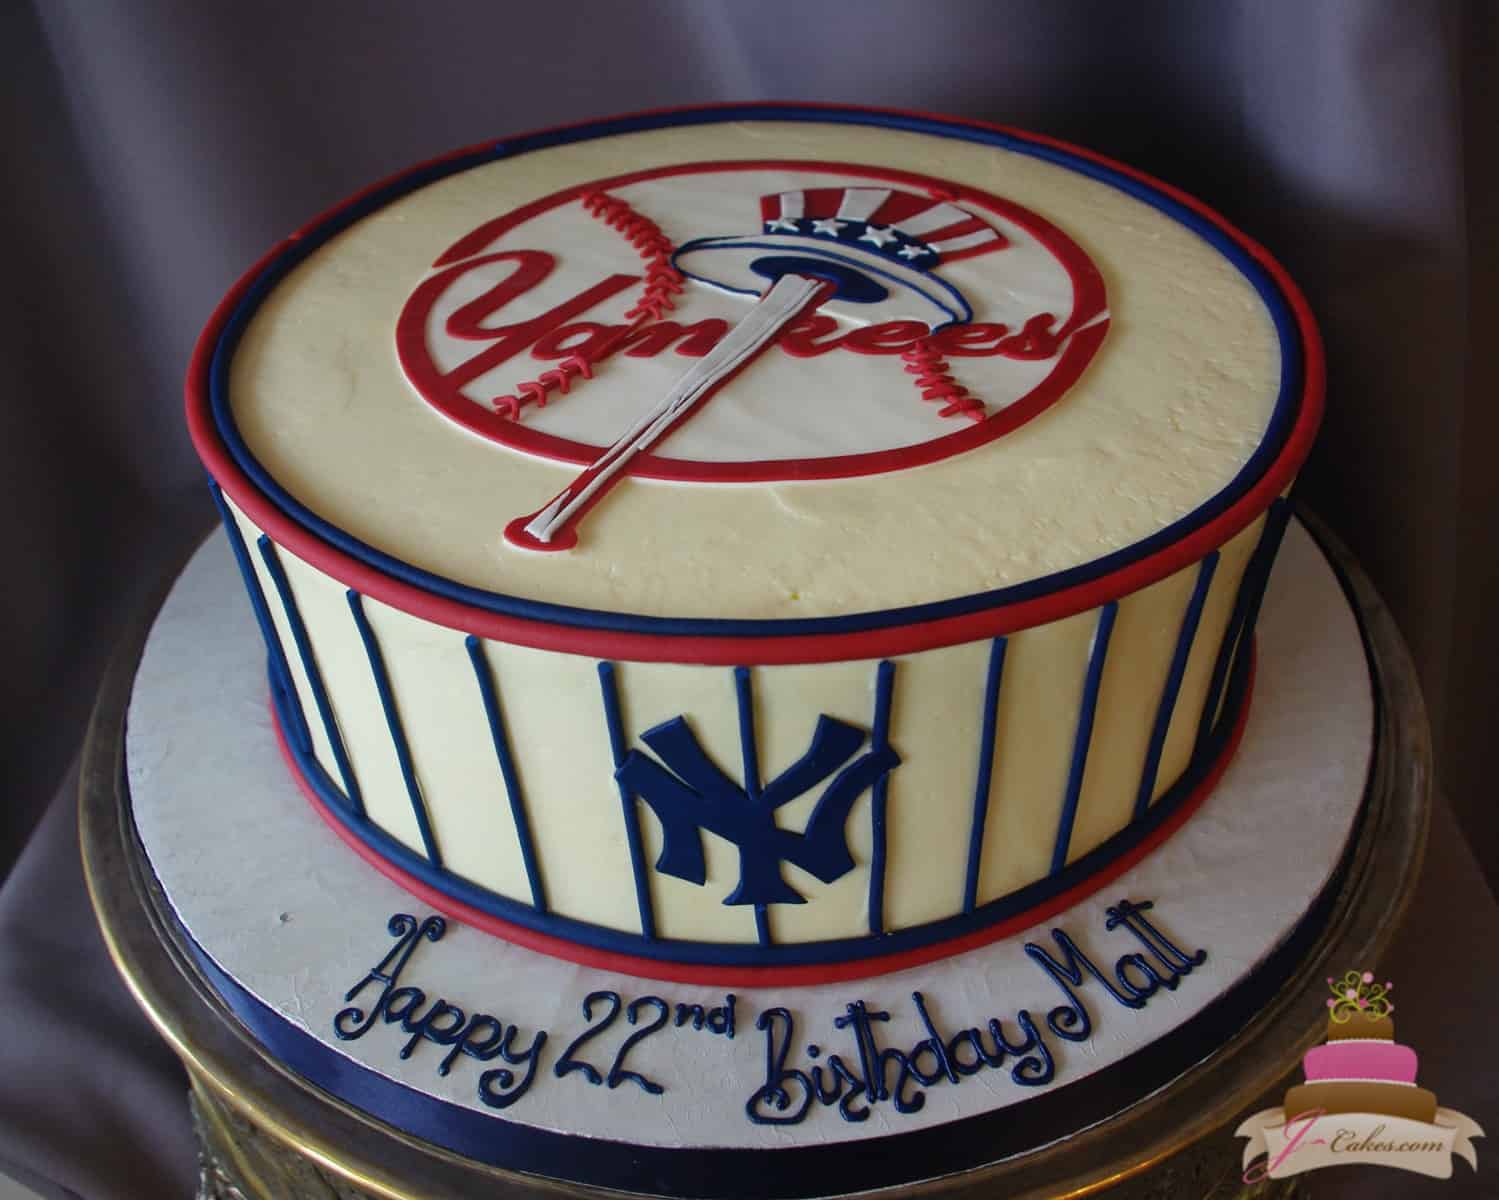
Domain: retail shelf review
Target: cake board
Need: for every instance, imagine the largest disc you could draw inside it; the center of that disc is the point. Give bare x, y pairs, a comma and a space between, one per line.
1371, 881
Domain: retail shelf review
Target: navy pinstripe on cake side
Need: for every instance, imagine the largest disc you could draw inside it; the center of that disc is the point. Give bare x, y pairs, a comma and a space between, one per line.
1084, 735
985, 772
397, 730
1246, 612
501, 739
1184, 640
884, 686
744, 695
628, 803
277, 572
280, 670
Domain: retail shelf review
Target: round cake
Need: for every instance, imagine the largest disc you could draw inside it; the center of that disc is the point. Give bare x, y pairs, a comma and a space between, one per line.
758, 544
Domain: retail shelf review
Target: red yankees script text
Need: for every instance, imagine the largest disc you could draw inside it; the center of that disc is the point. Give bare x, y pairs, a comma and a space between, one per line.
559, 333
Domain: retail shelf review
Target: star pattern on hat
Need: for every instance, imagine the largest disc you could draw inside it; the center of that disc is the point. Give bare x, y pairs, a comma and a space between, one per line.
885, 239
909, 230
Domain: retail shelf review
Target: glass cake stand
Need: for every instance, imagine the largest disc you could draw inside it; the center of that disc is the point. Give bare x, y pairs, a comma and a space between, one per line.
265, 1134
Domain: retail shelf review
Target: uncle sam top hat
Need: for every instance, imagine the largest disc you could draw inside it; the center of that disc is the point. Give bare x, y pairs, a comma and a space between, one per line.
877, 245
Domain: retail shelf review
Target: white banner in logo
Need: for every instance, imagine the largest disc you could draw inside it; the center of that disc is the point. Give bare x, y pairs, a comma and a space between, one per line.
1316, 1139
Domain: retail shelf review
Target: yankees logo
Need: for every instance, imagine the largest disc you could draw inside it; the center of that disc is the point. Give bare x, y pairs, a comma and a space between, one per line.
871, 320
696, 796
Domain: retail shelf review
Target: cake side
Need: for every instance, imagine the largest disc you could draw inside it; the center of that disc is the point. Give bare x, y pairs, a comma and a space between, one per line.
1009, 759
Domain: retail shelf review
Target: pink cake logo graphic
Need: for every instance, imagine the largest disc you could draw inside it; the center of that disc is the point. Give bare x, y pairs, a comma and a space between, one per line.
892, 320
1360, 1102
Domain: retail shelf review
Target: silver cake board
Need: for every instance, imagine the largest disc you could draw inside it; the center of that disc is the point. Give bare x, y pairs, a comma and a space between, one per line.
280, 910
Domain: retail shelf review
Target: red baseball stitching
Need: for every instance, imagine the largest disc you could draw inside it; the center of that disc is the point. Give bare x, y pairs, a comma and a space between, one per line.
558, 379
936, 384
663, 283
662, 280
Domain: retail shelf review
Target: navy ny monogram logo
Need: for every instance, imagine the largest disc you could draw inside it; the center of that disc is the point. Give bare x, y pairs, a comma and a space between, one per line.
695, 795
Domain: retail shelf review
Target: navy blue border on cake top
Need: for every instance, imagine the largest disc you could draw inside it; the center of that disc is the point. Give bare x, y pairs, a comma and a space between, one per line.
650, 945
1282, 418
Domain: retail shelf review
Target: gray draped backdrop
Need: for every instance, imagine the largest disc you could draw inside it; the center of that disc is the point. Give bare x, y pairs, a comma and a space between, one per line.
153, 149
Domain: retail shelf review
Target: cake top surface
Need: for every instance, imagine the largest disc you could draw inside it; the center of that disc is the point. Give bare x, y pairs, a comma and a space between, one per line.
1030, 365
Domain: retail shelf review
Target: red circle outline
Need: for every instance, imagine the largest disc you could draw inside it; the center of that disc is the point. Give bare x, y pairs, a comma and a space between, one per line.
1089, 301
771, 649
790, 975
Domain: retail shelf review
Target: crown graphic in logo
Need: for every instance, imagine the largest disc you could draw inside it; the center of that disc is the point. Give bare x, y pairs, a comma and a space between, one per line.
877, 245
